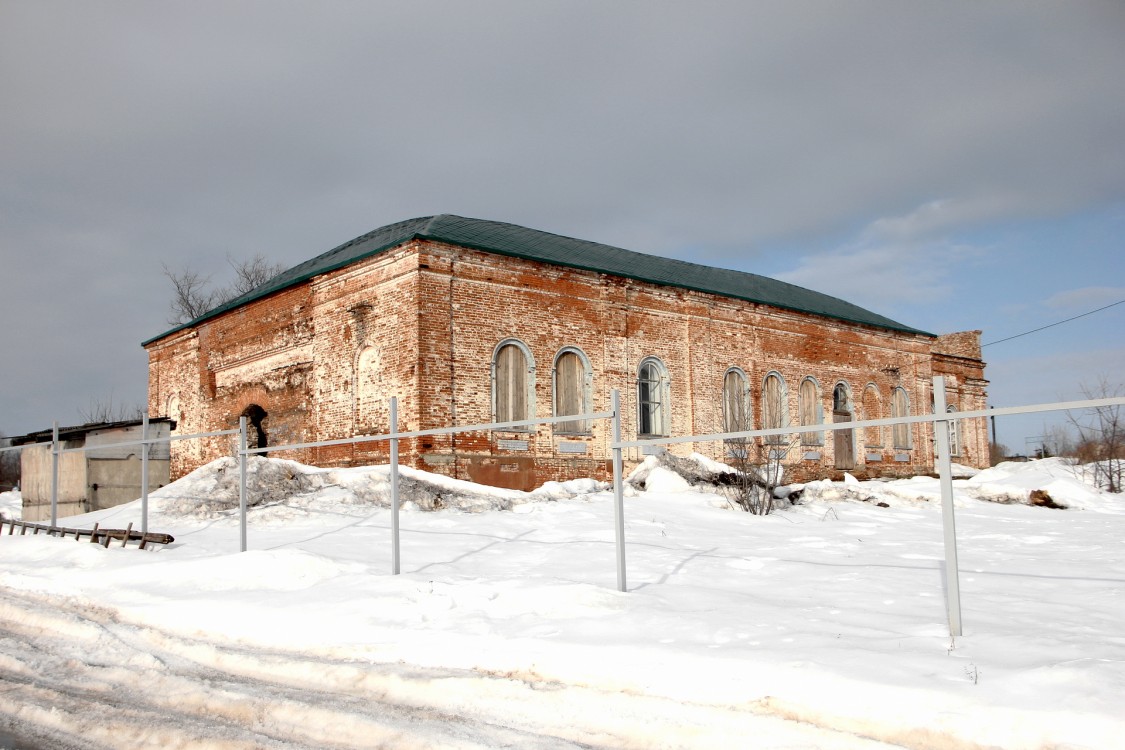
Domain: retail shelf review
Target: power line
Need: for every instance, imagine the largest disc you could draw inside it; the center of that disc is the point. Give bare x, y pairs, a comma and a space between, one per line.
1052, 325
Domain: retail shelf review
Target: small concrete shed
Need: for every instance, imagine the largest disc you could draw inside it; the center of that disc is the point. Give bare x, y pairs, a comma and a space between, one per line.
102, 476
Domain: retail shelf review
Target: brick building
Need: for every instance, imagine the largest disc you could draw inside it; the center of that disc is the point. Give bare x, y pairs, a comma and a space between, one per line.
469, 322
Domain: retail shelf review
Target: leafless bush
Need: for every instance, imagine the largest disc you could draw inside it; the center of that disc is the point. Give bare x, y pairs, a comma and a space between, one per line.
1059, 441
757, 473
193, 297
105, 410
1101, 436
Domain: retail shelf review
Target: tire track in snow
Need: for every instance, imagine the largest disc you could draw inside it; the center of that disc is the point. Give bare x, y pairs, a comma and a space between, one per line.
84, 676
81, 678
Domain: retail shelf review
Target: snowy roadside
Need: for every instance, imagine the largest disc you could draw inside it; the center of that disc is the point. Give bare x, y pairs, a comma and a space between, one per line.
829, 613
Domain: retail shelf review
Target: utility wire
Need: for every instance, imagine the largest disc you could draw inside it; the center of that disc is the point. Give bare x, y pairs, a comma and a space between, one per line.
1052, 325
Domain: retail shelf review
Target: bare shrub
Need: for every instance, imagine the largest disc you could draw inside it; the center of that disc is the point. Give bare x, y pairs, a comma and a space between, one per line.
105, 410
192, 296
758, 471
1101, 436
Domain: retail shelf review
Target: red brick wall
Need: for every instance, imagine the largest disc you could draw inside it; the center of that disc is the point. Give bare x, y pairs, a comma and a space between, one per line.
956, 358
423, 323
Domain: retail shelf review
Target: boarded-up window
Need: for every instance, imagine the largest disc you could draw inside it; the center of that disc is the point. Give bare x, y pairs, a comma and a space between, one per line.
900, 407
369, 395
808, 403
872, 436
570, 391
773, 406
736, 402
652, 395
511, 384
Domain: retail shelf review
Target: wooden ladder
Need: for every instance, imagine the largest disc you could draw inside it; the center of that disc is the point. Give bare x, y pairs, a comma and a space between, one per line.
96, 535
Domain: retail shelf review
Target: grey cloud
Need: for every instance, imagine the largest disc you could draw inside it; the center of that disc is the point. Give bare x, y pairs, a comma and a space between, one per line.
141, 133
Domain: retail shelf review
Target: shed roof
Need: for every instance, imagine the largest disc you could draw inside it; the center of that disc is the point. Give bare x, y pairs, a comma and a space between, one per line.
79, 432
532, 244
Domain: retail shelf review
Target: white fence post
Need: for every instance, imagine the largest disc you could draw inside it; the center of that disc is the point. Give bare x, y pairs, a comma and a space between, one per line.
949, 527
618, 491
54, 473
242, 447
394, 487
144, 472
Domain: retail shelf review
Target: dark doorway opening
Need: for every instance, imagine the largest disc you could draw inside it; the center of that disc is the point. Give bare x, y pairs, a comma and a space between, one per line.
256, 433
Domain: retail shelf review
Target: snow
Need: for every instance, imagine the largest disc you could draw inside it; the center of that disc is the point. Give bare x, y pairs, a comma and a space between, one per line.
821, 625
11, 504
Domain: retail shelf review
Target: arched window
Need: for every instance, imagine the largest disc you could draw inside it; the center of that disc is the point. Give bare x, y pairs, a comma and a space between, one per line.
172, 410
954, 432
811, 410
652, 398
872, 436
736, 401
900, 407
513, 382
775, 412
843, 441
572, 390
369, 395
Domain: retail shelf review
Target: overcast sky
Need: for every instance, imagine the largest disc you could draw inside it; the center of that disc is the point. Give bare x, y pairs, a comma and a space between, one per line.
950, 165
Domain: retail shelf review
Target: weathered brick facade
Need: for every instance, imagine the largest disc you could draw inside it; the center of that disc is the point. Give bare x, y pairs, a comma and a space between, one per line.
423, 321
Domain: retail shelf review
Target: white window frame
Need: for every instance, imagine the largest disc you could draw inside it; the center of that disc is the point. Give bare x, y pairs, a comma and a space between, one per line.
660, 420
529, 361
954, 431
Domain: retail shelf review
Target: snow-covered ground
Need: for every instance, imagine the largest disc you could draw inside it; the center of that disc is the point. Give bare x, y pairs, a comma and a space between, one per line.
823, 625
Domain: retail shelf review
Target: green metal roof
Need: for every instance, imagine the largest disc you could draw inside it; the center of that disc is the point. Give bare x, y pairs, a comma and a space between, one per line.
532, 244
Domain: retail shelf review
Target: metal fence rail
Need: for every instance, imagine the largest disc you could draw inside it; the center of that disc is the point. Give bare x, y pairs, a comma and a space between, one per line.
57, 450
394, 436
940, 419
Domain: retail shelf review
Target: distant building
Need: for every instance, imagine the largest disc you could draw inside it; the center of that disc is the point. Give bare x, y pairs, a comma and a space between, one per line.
94, 479
469, 322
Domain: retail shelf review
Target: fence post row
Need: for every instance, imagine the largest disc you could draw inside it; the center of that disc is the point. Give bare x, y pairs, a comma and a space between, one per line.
145, 442
394, 436
940, 419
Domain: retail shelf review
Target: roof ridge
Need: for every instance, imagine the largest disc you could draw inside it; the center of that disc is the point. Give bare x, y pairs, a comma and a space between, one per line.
513, 240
